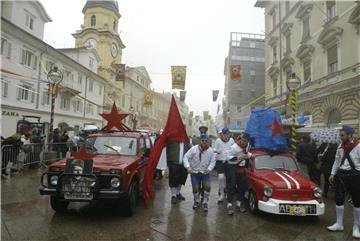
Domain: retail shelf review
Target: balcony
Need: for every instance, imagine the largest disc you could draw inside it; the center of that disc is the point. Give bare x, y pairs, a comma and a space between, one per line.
70, 88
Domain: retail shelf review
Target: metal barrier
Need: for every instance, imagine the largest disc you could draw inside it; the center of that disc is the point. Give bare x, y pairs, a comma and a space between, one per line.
18, 156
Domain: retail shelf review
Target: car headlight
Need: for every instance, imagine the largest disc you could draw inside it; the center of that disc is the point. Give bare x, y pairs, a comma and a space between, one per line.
115, 182
54, 180
317, 192
268, 191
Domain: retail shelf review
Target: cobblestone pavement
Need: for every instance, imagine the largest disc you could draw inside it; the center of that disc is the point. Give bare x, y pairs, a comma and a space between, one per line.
28, 216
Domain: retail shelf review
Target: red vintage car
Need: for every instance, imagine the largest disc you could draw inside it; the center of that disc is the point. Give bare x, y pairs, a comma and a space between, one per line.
115, 171
277, 186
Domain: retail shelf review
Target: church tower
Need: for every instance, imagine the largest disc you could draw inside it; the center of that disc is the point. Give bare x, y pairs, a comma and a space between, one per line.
100, 31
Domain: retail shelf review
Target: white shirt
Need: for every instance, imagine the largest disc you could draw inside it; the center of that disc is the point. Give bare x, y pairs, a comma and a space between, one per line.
235, 151
355, 157
192, 159
222, 149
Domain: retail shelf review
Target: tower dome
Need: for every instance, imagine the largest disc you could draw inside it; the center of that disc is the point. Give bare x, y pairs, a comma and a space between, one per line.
109, 4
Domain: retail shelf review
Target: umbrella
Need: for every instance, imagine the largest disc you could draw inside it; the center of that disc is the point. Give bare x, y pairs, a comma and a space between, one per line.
326, 135
68, 128
90, 128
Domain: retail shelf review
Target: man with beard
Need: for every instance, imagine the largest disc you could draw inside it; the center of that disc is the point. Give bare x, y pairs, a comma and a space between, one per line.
222, 147
345, 174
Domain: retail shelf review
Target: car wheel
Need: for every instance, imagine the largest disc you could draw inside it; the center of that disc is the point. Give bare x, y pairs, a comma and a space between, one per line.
131, 199
58, 205
253, 203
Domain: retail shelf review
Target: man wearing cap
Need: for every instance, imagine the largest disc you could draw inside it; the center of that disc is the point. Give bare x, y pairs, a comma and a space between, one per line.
236, 180
200, 161
345, 174
222, 147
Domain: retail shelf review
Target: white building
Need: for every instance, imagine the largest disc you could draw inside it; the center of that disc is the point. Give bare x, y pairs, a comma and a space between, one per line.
26, 60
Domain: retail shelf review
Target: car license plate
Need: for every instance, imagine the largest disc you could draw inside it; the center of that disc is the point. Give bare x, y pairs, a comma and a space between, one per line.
297, 211
80, 191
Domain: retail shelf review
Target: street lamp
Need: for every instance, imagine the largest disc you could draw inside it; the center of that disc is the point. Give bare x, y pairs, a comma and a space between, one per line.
292, 84
133, 116
54, 77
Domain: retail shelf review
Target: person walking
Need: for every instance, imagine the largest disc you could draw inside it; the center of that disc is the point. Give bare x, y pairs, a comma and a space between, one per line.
345, 175
327, 152
222, 147
306, 153
199, 162
236, 180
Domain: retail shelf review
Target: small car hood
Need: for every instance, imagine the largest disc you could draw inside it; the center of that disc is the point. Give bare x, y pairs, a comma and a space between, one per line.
285, 179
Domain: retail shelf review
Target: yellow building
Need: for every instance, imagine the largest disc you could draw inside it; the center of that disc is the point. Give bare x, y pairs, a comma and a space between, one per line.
100, 31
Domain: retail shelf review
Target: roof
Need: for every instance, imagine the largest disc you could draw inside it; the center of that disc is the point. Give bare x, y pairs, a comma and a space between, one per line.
108, 4
83, 49
42, 11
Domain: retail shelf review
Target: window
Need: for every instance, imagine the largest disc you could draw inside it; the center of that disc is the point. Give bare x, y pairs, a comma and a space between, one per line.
274, 54
307, 71
91, 85
80, 79
100, 89
252, 72
114, 25
69, 76
91, 63
77, 104
46, 98
274, 19
89, 109
65, 103
288, 43
238, 108
238, 123
330, 10
253, 92
30, 19
252, 45
93, 21
275, 87
4, 89
48, 65
287, 7
306, 28
5, 48
28, 59
332, 59
26, 93
252, 79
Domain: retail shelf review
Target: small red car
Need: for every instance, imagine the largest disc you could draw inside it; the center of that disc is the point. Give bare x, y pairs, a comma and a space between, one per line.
277, 186
115, 172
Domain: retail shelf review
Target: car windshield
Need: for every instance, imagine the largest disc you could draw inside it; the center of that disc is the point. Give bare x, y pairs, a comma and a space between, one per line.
264, 162
113, 145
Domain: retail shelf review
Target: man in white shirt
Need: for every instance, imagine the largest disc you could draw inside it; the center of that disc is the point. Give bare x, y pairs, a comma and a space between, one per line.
345, 174
200, 161
222, 147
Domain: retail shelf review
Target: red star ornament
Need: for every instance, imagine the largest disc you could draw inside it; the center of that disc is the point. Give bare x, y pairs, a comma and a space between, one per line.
82, 154
114, 119
276, 128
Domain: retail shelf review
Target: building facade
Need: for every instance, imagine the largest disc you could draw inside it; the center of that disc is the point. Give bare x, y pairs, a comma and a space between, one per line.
319, 41
26, 60
246, 50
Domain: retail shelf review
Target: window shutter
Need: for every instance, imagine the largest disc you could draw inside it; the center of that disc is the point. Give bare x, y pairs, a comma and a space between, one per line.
34, 61
18, 93
8, 55
5, 86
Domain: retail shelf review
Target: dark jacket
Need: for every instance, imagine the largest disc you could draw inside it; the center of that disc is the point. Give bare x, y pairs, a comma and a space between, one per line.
328, 158
173, 152
306, 153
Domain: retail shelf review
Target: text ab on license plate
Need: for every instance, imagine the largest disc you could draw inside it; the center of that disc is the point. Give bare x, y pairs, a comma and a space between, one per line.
297, 211
77, 192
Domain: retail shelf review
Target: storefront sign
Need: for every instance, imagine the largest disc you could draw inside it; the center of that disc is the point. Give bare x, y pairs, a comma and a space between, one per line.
10, 113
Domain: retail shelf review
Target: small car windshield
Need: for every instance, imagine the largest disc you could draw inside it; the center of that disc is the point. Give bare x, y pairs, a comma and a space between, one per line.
113, 145
276, 162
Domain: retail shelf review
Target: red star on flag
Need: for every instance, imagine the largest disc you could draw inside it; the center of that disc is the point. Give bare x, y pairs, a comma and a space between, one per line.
276, 128
82, 154
114, 119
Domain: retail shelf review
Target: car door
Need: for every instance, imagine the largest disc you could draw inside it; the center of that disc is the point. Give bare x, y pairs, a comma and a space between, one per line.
143, 158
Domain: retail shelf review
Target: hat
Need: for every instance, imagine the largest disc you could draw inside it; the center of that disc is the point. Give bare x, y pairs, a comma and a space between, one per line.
348, 130
225, 131
203, 129
204, 136
245, 136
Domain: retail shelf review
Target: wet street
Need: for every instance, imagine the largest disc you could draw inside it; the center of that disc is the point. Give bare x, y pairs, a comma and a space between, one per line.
28, 216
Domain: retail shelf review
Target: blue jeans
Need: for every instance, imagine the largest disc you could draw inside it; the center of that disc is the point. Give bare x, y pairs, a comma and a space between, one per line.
200, 180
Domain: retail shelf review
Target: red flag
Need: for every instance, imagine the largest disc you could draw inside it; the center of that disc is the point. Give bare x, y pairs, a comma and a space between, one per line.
174, 131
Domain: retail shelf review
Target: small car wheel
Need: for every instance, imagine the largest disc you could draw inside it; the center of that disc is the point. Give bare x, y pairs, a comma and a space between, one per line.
253, 203
131, 199
58, 205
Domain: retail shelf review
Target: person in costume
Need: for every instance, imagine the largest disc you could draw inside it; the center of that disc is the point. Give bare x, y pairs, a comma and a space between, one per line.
199, 162
345, 175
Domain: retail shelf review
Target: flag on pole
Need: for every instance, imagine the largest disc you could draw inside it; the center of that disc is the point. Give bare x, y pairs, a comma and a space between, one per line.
235, 72
178, 74
215, 94
148, 98
174, 131
182, 96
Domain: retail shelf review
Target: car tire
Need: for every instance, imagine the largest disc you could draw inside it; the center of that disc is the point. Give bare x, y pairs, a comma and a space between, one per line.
58, 205
253, 203
131, 199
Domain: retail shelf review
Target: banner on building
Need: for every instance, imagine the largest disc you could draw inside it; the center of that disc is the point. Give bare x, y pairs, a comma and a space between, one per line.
119, 72
182, 95
235, 72
178, 74
148, 97
206, 115
215, 94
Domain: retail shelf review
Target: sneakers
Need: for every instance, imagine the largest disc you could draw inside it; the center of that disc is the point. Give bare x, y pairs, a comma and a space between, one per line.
221, 198
196, 205
356, 232
335, 228
205, 207
173, 200
180, 197
230, 209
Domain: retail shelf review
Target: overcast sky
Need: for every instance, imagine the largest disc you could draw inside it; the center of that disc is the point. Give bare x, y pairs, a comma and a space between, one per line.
161, 33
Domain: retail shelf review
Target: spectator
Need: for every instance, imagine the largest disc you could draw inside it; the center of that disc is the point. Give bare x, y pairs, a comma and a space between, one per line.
306, 153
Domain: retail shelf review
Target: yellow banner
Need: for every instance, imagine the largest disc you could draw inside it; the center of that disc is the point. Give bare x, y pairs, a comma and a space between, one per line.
148, 97
178, 74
